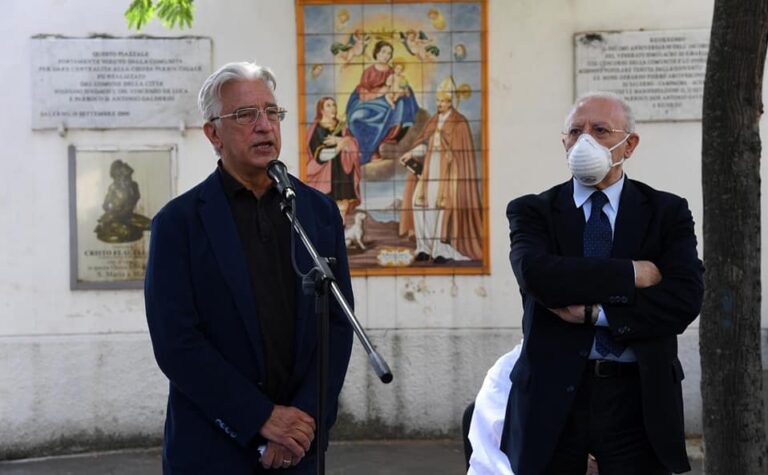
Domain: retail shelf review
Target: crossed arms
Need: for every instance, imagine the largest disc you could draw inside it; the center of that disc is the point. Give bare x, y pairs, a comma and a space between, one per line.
658, 295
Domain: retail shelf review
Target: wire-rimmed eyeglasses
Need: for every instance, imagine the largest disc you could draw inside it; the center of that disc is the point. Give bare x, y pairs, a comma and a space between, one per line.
249, 115
598, 131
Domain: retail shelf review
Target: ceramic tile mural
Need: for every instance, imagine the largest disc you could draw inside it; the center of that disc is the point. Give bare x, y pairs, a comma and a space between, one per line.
393, 113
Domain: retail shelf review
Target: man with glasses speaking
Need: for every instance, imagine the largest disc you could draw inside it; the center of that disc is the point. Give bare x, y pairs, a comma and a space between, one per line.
231, 327
609, 276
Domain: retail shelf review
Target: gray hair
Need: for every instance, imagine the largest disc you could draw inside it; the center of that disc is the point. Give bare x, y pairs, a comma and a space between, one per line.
629, 116
209, 99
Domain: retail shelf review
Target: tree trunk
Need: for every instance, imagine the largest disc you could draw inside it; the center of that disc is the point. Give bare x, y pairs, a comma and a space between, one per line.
731, 376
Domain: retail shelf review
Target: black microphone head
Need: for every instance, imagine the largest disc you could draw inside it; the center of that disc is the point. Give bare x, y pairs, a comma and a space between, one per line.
276, 166
276, 163
278, 172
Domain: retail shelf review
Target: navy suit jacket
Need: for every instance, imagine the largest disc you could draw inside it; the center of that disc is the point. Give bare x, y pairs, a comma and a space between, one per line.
206, 335
546, 233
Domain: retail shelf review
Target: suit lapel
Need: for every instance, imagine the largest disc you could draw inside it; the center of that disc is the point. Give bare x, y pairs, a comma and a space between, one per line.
631, 222
222, 233
568, 222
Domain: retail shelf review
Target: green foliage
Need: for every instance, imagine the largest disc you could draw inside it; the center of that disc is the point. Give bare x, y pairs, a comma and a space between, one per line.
139, 13
170, 12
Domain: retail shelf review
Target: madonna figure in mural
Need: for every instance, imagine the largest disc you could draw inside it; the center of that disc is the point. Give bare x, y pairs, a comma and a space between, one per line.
372, 118
333, 158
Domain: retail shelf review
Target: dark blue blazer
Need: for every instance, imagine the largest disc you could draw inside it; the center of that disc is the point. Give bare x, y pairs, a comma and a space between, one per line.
206, 335
546, 233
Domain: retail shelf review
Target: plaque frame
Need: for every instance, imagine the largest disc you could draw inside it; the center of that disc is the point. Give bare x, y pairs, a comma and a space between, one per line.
119, 261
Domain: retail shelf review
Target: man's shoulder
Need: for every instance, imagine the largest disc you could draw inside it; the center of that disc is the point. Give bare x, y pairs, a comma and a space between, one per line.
545, 198
187, 201
655, 196
455, 114
456, 118
318, 200
310, 192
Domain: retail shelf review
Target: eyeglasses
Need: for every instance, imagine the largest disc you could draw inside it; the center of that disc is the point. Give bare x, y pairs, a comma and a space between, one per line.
598, 132
249, 115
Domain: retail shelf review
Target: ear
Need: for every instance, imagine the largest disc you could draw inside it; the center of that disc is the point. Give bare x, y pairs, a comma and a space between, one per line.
213, 135
632, 143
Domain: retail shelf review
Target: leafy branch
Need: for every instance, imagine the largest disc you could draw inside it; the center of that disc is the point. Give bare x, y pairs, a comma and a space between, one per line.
170, 12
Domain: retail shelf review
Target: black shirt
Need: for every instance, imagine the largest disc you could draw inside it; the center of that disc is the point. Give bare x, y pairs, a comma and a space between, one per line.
265, 235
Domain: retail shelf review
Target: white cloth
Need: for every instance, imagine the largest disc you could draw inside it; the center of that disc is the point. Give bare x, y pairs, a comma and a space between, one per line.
488, 418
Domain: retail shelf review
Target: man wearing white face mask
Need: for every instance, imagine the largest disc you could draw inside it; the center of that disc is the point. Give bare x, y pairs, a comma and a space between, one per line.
609, 275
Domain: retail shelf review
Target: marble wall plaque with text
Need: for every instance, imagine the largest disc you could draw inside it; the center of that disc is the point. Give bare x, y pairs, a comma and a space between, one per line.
104, 83
660, 73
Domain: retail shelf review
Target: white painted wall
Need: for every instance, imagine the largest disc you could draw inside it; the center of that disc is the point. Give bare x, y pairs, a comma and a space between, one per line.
76, 366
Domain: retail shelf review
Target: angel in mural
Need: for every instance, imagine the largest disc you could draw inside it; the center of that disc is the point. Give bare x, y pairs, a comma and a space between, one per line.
316, 71
419, 45
342, 18
437, 18
354, 47
333, 158
459, 52
371, 118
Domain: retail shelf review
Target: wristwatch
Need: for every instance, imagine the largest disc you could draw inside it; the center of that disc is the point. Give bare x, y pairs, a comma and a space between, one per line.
589, 319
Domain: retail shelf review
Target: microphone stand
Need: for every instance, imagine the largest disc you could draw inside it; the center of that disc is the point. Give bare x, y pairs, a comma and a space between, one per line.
321, 281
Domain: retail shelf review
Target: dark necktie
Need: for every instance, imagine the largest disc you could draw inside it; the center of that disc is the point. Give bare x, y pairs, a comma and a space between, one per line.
598, 240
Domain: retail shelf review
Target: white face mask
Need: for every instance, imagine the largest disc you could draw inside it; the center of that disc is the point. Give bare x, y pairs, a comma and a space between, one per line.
589, 161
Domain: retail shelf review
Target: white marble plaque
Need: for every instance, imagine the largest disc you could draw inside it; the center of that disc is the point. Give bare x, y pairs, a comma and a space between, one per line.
660, 73
104, 83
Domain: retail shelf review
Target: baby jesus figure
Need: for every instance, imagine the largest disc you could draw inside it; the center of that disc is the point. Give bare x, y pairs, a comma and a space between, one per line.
397, 84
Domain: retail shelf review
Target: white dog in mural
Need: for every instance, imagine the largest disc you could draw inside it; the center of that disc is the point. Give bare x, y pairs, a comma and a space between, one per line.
354, 234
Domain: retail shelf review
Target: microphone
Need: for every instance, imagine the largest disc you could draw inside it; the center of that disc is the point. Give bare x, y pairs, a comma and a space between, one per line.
278, 172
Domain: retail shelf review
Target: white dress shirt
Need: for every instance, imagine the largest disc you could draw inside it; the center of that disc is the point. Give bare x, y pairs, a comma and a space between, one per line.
581, 194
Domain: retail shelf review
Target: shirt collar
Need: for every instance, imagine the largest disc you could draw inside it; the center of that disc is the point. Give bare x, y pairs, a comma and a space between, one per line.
581, 193
233, 188
228, 182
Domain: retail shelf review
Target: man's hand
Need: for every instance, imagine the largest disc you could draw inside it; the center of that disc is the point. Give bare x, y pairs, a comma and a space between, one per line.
570, 314
646, 274
290, 427
278, 456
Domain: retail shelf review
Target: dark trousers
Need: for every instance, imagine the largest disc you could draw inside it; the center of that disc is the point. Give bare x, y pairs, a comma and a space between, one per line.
606, 420
466, 420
